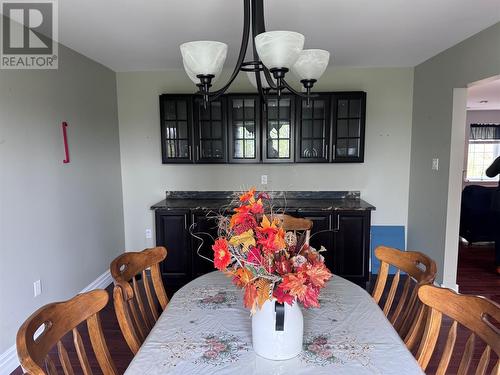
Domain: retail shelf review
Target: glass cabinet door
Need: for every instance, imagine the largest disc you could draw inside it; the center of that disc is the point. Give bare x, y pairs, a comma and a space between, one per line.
313, 130
349, 127
279, 130
176, 121
244, 128
210, 129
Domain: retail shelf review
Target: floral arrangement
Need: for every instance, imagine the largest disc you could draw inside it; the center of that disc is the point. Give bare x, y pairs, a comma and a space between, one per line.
254, 249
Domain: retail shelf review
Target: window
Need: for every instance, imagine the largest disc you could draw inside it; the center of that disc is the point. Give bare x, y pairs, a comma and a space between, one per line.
483, 149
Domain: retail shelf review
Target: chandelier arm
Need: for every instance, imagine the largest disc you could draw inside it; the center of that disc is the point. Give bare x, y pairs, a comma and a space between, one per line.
243, 50
293, 91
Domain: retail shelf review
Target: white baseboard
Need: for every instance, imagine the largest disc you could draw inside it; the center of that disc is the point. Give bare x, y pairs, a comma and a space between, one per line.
452, 287
100, 283
8, 359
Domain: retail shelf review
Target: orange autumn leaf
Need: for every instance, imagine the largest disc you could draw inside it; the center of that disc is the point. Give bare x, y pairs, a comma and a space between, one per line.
263, 291
295, 284
318, 274
250, 296
242, 277
248, 196
279, 240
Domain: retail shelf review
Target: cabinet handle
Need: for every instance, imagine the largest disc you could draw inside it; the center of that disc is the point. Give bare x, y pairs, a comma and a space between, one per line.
190, 154
337, 227
197, 152
326, 152
185, 222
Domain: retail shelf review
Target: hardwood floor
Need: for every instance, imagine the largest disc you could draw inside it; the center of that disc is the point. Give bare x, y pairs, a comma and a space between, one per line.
476, 275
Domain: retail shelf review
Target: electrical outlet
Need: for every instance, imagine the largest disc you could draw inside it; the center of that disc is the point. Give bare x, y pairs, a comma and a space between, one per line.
263, 179
37, 288
435, 164
148, 233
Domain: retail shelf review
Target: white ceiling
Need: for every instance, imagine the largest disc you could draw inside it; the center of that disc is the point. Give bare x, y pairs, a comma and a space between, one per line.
128, 35
489, 91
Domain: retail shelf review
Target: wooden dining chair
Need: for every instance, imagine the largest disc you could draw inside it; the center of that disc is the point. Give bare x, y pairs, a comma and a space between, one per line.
136, 319
57, 319
296, 224
408, 315
478, 314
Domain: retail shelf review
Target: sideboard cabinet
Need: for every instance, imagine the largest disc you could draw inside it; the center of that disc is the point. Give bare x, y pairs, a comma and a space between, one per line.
188, 236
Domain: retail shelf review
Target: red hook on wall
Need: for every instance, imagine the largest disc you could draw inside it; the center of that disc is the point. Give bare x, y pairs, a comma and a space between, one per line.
64, 125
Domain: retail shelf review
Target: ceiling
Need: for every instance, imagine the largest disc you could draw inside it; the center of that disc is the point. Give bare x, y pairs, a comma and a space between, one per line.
128, 35
488, 93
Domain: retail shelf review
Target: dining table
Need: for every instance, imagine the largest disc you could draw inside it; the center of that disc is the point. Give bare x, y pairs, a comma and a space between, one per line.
206, 330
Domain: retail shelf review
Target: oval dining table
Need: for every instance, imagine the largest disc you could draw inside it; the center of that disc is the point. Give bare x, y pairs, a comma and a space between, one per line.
206, 330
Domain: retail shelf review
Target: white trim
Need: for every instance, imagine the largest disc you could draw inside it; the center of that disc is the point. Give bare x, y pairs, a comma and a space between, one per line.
100, 283
8, 359
452, 287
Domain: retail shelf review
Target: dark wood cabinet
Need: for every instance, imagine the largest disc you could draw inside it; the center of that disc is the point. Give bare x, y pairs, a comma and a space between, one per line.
238, 128
313, 130
352, 245
172, 231
244, 128
205, 231
176, 128
345, 234
348, 127
278, 130
210, 140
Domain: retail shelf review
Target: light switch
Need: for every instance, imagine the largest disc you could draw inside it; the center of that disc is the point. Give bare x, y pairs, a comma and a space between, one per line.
148, 234
263, 179
37, 288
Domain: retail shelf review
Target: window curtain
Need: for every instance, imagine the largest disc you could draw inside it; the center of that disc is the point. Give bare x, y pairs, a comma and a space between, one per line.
485, 132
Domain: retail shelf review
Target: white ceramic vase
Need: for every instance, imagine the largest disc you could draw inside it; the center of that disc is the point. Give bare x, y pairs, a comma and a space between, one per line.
275, 338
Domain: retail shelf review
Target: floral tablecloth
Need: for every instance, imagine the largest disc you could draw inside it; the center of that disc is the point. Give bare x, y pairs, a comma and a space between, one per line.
206, 330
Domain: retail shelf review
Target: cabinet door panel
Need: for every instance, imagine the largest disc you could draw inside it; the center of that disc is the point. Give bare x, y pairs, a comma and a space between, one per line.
348, 127
210, 131
352, 241
176, 128
202, 226
313, 125
171, 232
244, 128
278, 130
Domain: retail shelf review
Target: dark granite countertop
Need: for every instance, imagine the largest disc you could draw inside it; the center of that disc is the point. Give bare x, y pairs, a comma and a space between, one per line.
217, 201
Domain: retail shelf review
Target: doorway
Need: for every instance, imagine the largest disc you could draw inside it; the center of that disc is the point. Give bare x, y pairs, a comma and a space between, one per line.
476, 269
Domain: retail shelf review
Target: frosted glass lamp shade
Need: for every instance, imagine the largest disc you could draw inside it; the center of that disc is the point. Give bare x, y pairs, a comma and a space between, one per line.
203, 57
311, 64
263, 80
279, 49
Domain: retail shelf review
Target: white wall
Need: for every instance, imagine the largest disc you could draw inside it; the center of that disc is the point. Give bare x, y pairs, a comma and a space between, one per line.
60, 223
382, 178
472, 60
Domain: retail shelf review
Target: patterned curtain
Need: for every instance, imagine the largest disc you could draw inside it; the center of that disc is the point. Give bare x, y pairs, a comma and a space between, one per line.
484, 131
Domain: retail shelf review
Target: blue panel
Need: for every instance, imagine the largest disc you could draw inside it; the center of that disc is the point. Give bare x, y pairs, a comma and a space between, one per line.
386, 235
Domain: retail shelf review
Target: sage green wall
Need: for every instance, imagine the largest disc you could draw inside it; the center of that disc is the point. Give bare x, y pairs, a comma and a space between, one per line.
60, 223
472, 60
382, 179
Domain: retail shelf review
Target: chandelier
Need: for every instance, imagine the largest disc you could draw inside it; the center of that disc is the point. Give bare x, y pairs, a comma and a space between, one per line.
275, 53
